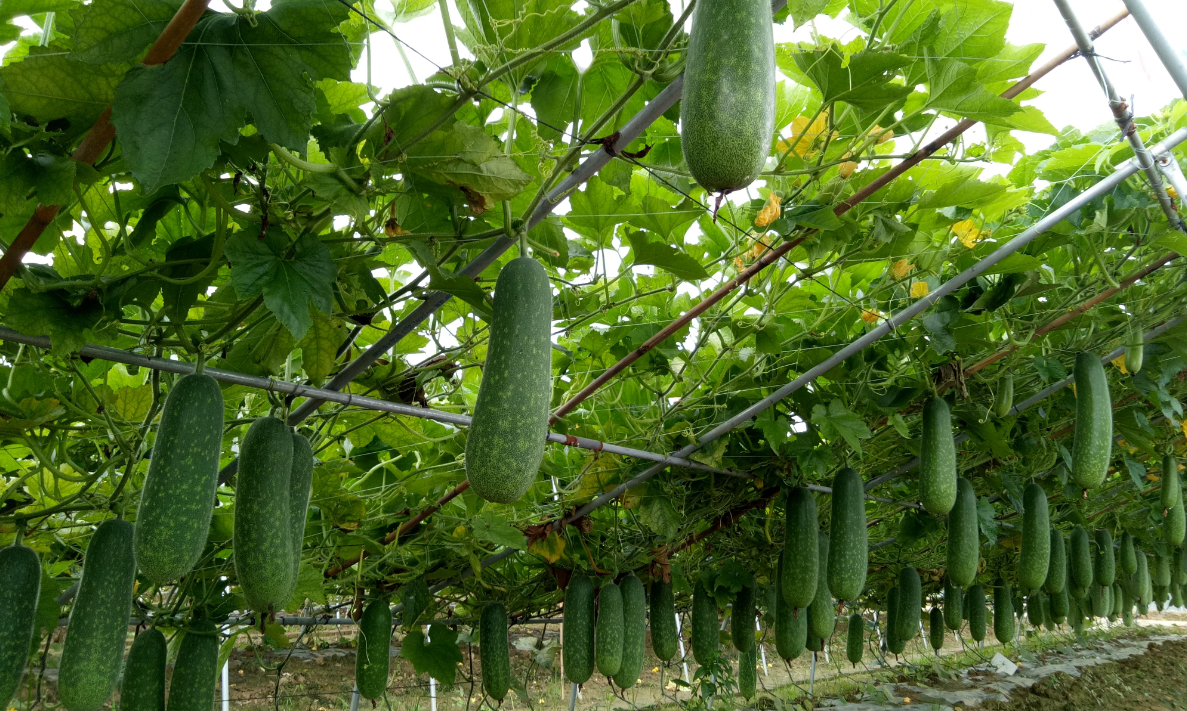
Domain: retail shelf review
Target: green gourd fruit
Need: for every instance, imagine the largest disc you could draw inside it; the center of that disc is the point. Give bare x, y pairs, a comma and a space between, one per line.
191, 688
495, 653
822, 617
706, 643
1104, 569
848, 551
578, 628
935, 630
855, 639
953, 604
801, 568
976, 610
664, 640
742, 619
1092, 443
263, 518
1036, 539
634, 633
1057, 567
1005, 396
300, 489
937, 458
98, 629
609, 630
963, 554
1080, 558
791, 625
1128, 560
1003, 612
20, 589
910, 606
505, 444
177, 500
727, 115
143, 685
372, 662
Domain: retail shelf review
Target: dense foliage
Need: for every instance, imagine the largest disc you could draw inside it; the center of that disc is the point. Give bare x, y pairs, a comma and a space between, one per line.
263, 213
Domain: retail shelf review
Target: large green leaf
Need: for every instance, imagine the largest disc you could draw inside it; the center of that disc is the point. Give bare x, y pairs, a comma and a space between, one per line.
170, 118
119, 31
290, 287
956, 89
48, 85
862, 79
665, 257
438, 657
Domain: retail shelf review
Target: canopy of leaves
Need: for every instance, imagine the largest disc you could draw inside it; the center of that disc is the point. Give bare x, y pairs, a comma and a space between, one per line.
261, 208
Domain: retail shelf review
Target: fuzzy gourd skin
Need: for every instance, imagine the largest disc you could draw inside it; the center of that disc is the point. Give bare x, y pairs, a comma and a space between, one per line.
263, 516
791, 625
194, 674
1003, 612
848, 550
494, 651
300, 489
937, 458
373, 658
727, 113
143, 686
1104, 569
634, 637
505, 443
963, 553
855, 639
20, 588
894, 645
1080, 558
1057, 566
910, 606
953, 604
798, 580
609, 630
177, 500
1092, 443
664, 640
822, 616
935, 628
94, 648
706, 643
976, 611
579, 630
1035, 558
742, 619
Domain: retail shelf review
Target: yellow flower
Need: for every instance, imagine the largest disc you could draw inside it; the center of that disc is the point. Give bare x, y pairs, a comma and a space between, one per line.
1172, 192
1119, 361
804, 135
882, 134
459, 532
920, 289
1183, 426
846, 169
769, 212
968, 233
870, 316
901, 268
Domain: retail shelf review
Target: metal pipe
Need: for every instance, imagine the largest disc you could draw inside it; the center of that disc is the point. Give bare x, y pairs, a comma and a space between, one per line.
1122, 113
1166, 53
1173, 173
369, 403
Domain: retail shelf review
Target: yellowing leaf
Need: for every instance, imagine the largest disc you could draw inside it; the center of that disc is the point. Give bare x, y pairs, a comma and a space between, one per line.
968, 233
132, 403
870, 316
770, 212
901, 268
459, 532
920, 289
1119, 361
846, 169
319, 347
551, 548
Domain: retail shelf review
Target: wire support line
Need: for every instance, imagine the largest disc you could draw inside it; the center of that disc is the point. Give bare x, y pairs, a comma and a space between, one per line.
116, 355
